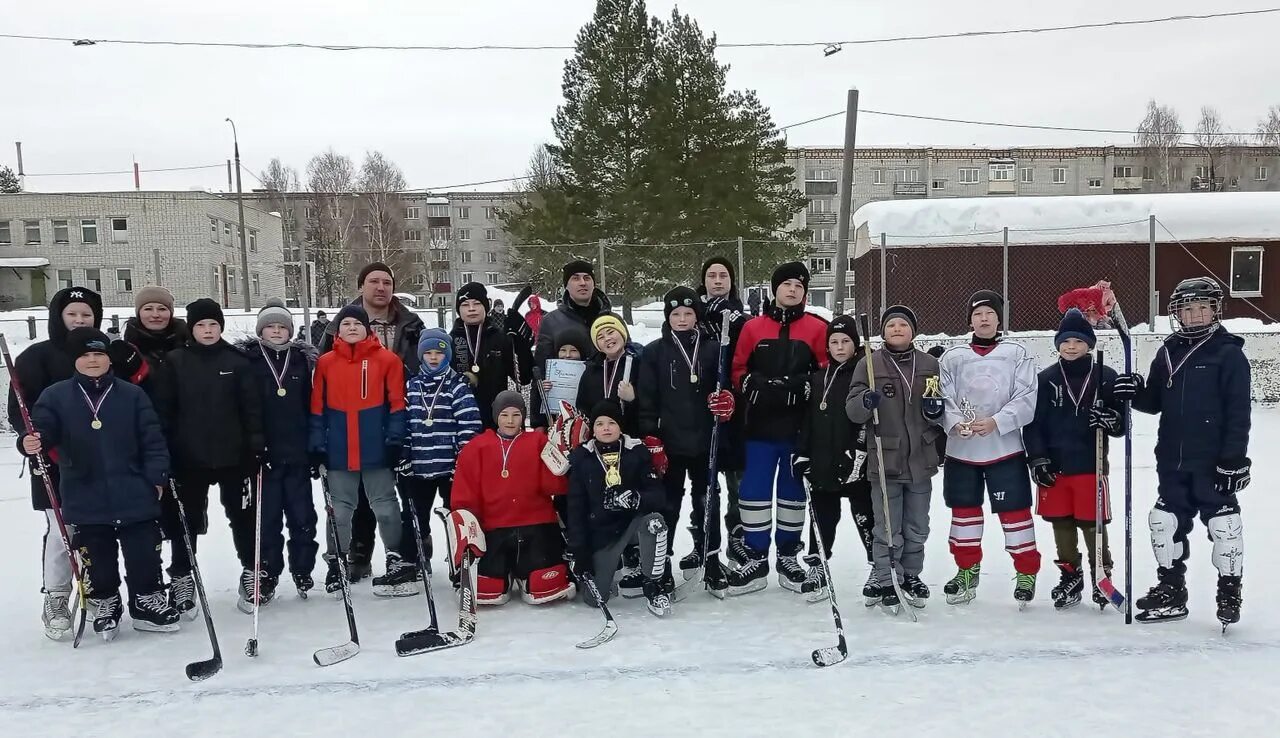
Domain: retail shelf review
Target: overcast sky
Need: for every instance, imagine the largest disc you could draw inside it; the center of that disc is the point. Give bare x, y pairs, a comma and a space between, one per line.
449, 118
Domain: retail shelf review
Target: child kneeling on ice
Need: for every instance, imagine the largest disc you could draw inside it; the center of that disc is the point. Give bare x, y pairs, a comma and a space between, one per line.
615, 498
115, 466
501, 480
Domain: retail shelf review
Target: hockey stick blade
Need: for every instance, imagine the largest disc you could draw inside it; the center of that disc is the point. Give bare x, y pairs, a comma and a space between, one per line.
687, 587
198, 671
422, 641
604, 636
831, 655
1108, 590
336, 654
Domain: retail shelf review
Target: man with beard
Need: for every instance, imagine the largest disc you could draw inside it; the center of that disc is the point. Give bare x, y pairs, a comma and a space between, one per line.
578, 307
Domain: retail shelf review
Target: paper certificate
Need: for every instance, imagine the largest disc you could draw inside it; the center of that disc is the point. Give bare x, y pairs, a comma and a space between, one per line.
564, 375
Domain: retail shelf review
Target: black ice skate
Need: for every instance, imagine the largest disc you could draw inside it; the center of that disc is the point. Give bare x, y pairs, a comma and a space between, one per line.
333, 580
56, 615
815, 587
871, 591
1099, 598
791, 574
659, 602
1070, 587
631, 583
1165, 602
266, 591
401, 579
245, 602
916, 591
714, 576
739, 553
963, 587
106, 614
689, 565
752, 576
358, 568
153, 613
1229, 600
304, 583
182, 595
1024, 591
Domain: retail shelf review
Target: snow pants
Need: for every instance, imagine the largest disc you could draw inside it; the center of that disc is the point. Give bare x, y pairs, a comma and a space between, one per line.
769, 462
908, 514
423, 492
651, 533
826, 514
1180, 497
378, 484
287, 501
193, 487
100, 549
694, 468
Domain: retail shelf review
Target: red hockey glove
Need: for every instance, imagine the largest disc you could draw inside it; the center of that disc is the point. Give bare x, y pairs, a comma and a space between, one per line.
721, 404
654, 444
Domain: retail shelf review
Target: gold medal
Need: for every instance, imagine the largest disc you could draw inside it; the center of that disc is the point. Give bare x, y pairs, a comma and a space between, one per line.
612, 472
693, 378
96, 424
281, 392
505, 473
822, 405
475, 368
429, 422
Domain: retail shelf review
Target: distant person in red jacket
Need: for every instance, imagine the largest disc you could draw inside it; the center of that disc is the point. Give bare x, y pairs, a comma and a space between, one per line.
534, 315
502, 480
357, 431
775, 355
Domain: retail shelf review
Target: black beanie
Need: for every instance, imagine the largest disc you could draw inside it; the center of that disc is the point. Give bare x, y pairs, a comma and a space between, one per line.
572, 335
606, 409
678, 297
578, 266
472, 291
205, 309
724, 262
899, 311
352, 311
790, 270
1075, 325
847, 325
986, 298
376, 266
83, 340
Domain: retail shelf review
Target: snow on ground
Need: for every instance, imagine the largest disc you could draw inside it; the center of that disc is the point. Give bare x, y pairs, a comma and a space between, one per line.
739, 667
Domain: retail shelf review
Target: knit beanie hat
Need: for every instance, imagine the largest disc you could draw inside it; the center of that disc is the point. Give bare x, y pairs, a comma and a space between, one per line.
722, 261
435, 339
847, 325
678, 297
790, 270
506, 399
64, 297
353, 311
986, 298
376, 266
606, 409
578, 266
608, 320
153, 293
899, 311
1075, 325
572, 335
274, 312
472, 291
205, 309
84, 340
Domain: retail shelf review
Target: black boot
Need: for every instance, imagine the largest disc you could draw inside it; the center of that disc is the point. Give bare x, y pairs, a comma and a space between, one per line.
333, 580
1229, 600
1164, 602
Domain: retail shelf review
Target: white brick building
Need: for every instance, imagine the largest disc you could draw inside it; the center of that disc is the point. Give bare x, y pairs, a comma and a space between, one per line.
117, 242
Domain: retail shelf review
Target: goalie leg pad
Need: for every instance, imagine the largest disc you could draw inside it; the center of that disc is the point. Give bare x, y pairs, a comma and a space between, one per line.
492, 590
547, 585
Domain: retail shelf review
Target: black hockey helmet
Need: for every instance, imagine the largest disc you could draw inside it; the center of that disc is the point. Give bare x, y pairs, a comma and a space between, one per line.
1191, 290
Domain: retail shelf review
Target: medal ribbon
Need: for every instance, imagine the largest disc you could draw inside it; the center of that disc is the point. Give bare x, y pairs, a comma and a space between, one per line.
1084, 388
473, 348
94, 407
279, 377
697, 341
1175, 369
907, 386
827, 382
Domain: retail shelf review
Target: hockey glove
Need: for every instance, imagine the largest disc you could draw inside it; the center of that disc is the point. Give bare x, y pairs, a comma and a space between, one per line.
127, 362
1127, 387
721, 404
555, 458
1042, 472
658, 455
871, 399
800, 466
1232, 476
620, 499
316, 460
1108, 419
463, 532
514, 324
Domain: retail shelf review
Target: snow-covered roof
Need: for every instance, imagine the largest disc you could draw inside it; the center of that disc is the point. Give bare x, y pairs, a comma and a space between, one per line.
23, 262
1183, 216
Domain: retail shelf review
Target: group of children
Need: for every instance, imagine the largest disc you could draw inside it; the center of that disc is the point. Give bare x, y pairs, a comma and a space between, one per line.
805, 416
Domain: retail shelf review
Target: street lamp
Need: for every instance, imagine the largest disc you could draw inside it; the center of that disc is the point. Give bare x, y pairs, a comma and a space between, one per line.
244, 243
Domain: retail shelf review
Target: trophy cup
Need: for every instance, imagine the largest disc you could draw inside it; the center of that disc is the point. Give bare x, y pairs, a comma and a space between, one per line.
970, 415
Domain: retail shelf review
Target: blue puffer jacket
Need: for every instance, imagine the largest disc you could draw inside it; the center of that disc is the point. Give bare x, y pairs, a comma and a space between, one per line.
1204, 410
432, 448
284, 419
109, 475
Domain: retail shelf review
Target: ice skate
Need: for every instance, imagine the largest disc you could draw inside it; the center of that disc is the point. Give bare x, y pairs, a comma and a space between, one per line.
915, 590
752, 576
1070, 587
400, 580
182, 595
57, 615
658, 601
106, 614
1024, 591
791, 575
304, 583
1229, 600
153, 613
963, 587
1165, 602
815, 587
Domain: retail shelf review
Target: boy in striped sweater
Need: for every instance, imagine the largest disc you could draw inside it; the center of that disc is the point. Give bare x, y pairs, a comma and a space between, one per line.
442, 417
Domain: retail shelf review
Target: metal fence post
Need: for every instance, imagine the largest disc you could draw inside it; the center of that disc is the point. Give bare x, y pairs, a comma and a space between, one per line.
1004, 258
1153, 298
31, 327
742, 272
603, 280
884, 289
440, 317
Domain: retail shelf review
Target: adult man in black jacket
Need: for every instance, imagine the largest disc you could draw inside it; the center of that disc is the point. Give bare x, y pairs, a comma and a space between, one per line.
488, 353
579, 307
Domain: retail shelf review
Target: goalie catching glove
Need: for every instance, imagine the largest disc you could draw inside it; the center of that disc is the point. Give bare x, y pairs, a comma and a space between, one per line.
463, 533
567, 432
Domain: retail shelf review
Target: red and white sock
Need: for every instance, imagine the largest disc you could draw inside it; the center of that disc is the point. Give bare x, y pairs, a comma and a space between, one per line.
1020, 540
966, 536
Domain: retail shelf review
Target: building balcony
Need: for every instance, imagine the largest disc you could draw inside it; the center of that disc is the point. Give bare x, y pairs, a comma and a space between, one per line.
820, 218
909, 189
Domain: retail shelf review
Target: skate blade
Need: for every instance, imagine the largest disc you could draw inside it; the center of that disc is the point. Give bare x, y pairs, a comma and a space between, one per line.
789, 585
918, 603
871, 601
1152, 617
302, 594
109, 635
717, 593
818, 595
244, 606
145, 627
660, 612
754, 585
1064, 606
191, 614
397, 590
961, 598
630, 594
1022, 606
56, 634
894, 610
688, 574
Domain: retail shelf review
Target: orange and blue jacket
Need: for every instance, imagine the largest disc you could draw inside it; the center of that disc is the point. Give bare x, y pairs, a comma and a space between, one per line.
357, 406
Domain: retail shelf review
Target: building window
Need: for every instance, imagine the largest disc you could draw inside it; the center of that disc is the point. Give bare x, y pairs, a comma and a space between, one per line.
439, 235
491, 257
226, 232
88, 230
906, 175
939, 184
439, 254
820, 264
464, 213
1095, 183
437, 211
1202, 171
32, 228
124, 280
1059, 175
491, 234
821, 235
491, 277
253, 242
119, 230
1246, 271
413, 234
1261, 173
412, 213
464, 234
213, 230
6, 237
233, 286
1147, 174
467, 277
821, 174
1027, 175
999, 172
490, 212
61, 232
877, 176
1121, 172
312, 213
969, 175
257, 286
64, 279
466, 257
822, 205
93, 279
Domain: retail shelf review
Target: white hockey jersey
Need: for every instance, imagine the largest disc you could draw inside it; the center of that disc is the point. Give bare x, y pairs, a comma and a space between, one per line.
999, 385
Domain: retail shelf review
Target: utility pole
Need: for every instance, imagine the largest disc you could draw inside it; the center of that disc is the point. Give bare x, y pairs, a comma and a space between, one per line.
244, 242
22, 175
845, 200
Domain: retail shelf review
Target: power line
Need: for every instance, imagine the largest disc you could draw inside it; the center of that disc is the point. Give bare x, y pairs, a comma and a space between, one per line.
997, 124
554, 47
126, 171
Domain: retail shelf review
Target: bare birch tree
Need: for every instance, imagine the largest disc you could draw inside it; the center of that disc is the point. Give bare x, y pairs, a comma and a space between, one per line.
1159, 132
330, 219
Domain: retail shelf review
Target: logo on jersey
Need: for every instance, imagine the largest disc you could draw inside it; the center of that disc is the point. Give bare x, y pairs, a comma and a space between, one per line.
888, 390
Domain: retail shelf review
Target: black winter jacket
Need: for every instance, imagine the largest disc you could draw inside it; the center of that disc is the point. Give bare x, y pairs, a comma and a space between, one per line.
502, 357
155, 347
285, 420
591, 527
109, 476
209, 402
827, 436
731, 456
1060, 431
672, 407
1204, 409
566, 314
591, 387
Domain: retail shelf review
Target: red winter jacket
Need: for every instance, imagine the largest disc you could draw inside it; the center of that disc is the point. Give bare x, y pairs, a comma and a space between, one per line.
357, 405
523, 497
775, 354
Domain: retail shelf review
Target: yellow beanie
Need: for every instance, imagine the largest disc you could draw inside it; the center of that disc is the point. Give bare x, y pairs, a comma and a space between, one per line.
608, 320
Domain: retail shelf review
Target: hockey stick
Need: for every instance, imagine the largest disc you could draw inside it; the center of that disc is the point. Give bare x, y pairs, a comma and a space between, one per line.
251, 647
42, 469
1126, 340
198, 670
865, 325
713, 478
830, 655
610, 625
334, 654
431, 639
